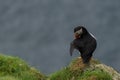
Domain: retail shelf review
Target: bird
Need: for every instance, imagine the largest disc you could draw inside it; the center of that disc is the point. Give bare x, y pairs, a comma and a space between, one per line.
84, 42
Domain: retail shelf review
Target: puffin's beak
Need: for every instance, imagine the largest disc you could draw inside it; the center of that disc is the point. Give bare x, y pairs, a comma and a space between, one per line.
76, 35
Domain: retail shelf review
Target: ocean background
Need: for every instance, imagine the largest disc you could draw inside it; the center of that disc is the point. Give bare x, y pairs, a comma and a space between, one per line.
40, 31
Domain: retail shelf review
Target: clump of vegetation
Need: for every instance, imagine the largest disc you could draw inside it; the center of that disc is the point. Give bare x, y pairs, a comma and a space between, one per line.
79, 71
13, 68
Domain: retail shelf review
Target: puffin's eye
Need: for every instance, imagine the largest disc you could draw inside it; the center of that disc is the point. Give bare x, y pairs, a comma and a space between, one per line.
79, 31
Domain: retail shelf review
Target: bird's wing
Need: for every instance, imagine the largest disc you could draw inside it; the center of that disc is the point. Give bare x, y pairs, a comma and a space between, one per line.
71, 48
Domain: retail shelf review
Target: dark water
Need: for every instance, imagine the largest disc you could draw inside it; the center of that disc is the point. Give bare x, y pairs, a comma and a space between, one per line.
39, 31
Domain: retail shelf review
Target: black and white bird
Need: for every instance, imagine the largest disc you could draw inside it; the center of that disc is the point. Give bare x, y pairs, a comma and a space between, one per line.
84, 42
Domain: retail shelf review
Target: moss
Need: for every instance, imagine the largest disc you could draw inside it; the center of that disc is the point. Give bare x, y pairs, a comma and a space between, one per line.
16, 69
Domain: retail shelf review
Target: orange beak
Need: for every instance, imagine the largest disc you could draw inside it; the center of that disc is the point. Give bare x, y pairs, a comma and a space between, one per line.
76, 35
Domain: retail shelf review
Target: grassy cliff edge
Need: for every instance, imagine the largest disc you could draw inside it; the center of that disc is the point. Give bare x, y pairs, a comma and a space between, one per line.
14, 68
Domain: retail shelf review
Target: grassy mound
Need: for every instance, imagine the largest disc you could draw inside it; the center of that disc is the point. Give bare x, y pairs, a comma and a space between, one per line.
13, 68
79, 71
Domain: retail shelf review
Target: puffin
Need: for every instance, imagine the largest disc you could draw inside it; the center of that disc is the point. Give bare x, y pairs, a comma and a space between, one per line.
84, 42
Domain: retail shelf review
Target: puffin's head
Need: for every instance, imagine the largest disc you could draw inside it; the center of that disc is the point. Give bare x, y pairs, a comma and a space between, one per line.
79, 31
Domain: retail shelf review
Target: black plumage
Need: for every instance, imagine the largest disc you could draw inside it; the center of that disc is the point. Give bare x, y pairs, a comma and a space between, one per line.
84, 42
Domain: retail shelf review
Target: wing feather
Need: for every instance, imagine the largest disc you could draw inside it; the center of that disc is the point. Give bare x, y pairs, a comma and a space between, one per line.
71, 48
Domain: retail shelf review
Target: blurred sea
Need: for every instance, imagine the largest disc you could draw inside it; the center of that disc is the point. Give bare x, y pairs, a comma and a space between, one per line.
40, 31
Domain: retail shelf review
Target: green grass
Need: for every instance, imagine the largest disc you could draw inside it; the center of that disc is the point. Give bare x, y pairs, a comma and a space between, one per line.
75, 71
13, 68
96, 74
67, 74
8, 78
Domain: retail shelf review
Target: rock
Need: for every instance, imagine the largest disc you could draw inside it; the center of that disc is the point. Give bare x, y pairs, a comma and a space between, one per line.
115, 75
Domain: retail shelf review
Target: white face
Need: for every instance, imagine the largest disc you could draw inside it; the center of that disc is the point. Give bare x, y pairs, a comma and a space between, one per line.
78, 33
